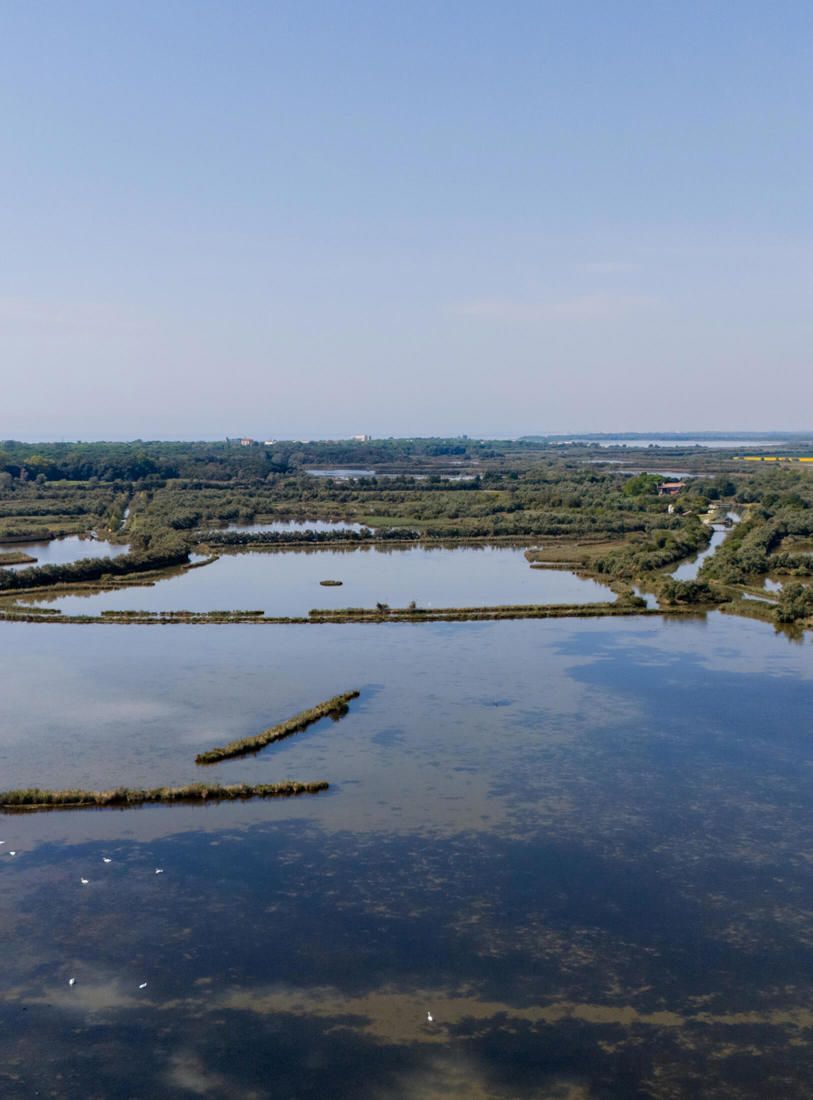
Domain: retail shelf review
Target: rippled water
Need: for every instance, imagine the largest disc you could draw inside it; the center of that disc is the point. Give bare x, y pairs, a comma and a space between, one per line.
288, 582
582, 845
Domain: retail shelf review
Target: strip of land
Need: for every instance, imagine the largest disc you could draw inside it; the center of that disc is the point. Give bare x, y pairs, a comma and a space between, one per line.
34, 798
331, 708
351, 615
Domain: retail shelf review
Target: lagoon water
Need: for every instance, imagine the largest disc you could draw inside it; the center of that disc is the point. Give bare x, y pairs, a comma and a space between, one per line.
68, 549
287, 582
294, 525
583, 845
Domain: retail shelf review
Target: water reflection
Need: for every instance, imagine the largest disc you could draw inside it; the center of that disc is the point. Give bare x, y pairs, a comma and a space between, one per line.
68, 549
689, 570
582, 845
286, 583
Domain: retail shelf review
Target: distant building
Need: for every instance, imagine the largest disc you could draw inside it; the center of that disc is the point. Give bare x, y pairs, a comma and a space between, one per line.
361, 438
671, 488
246, 442
269, 442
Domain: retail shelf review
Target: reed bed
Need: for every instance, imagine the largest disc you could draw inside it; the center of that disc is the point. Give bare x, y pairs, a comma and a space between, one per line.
34, 798
16, 557
332, 708
351, 615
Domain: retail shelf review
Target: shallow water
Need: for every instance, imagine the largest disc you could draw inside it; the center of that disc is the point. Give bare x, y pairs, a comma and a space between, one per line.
287, 582
582, 845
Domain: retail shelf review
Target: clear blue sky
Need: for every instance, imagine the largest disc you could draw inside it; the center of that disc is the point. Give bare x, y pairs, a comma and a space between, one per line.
320, 218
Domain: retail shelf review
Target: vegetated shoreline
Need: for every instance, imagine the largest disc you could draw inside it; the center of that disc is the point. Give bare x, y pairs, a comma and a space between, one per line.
34, 798
354, 615
332, 708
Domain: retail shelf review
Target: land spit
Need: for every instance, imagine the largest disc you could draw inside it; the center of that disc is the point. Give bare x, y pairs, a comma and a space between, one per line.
331, 708
33, 798
16, 557
346, 615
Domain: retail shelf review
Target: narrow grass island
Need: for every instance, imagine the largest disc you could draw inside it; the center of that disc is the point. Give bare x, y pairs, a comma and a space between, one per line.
334, 708
34, 798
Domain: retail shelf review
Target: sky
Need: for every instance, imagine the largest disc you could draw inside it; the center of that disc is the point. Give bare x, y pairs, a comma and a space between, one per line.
315, 219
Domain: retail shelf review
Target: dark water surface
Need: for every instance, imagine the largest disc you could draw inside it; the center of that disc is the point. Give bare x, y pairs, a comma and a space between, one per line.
584, 846
287, 582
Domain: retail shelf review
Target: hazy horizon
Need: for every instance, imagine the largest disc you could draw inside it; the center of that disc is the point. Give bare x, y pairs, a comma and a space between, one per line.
681, 435
314, 221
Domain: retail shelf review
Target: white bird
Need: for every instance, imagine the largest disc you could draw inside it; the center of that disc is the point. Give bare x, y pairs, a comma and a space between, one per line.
84, 881
143, 985
71, 981
106, 859
159, 870
2, 842
12, 853
429, 1018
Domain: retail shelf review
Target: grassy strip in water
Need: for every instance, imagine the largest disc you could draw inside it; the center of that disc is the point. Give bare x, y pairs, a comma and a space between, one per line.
33, 798
333, 708
351, 615
16, 557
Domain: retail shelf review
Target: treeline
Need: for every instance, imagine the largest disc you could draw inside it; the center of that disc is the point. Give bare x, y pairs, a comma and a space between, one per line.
227, 459
658, 550
752, 548
795, 603
160, 555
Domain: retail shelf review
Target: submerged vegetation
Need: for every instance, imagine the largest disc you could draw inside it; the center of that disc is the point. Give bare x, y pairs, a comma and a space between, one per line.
334, 708
33, 798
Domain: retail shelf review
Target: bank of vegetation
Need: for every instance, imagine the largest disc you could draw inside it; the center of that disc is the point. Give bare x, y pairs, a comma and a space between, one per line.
166, 499
159, 553
34, 798
334, 708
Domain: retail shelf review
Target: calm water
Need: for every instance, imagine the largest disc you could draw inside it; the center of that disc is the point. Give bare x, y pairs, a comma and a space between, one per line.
295, 525
582, 845
287, 582
689, 570
60, 551
342, 473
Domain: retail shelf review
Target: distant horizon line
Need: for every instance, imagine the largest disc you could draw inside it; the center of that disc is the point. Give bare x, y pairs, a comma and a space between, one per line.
677, 436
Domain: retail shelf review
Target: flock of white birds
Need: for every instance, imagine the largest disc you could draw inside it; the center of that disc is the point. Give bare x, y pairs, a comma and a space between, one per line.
158, 871
86, 882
